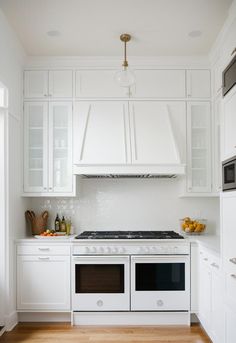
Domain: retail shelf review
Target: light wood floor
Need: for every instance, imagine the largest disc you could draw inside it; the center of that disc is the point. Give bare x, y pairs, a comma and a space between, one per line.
64, 333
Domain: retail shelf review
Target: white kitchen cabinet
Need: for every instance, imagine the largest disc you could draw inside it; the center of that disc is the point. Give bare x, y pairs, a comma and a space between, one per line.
48, 149
61, 83
211, 300
35, 147
199, 147
154, 83
101, 133
98, 84
168, 119
229, 124
43, 283
48, 84
35, 84
230, 327
198, 84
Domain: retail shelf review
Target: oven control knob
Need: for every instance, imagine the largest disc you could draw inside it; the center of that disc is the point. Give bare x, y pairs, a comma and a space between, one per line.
141, 250
108, 250
154, 249
115, 250
87, 250
122, 250
100, 303
94, 250
101, 249
160, 303
147, 250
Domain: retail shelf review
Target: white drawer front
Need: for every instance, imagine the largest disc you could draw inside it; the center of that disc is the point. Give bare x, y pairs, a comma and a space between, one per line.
43, 250
101, 302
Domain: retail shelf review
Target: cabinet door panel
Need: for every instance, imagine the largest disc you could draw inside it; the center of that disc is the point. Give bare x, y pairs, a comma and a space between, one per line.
198, 84
60, 147
217, 308
35, 146
149, 122
98, 84
199, 147
205, 285
35, 84
61, 83
43, 283
229, 124
101, 133
230, 329
159, 84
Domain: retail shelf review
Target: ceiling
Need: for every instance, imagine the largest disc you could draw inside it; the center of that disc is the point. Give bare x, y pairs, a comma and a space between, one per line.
92, 27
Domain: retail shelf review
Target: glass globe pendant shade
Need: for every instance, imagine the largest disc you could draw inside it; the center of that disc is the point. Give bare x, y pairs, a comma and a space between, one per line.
125, 77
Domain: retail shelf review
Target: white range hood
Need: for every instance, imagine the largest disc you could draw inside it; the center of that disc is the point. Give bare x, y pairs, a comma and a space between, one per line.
128, 139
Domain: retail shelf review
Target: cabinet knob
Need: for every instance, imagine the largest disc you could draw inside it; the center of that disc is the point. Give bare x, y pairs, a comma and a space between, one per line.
100, 303
160, 303
233, 276
45, 95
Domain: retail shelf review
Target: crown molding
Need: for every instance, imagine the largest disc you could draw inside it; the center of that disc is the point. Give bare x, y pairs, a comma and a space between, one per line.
115, 62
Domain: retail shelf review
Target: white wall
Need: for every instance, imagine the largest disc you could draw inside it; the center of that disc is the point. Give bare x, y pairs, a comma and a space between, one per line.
11, 63
130, 204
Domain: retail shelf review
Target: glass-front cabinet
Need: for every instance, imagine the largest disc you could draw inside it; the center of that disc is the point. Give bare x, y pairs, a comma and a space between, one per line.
199, 147
48, 148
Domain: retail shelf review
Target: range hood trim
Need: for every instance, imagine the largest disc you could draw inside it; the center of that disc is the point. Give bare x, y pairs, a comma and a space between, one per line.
167, 169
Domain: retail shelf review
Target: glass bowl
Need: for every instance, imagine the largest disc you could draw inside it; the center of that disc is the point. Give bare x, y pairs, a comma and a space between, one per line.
193, 226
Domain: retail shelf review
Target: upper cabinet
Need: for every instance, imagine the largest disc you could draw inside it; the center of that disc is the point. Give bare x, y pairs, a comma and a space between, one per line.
98, 84
198, 84
229, 125
101, 133
154, 83
47, 84
48, 149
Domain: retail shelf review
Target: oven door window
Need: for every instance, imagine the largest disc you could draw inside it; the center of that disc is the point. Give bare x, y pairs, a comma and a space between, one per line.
229, 173
99, 278
160, 276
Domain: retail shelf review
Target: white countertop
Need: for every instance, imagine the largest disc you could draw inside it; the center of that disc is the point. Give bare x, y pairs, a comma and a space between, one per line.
209, 241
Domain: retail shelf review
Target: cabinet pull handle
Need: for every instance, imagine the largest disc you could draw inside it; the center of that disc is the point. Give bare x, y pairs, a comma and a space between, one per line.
205, 259
215, 265
43, 258
44, 249
233, 276
45, 95
233, 260
233, 52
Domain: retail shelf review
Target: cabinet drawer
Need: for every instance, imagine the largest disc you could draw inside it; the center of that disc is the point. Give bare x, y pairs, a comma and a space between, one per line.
43, 250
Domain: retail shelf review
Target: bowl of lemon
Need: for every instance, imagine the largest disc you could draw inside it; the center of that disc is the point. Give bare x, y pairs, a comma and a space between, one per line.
193, 226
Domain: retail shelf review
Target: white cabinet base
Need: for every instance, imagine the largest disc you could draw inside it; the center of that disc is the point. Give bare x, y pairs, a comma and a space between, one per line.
131, 318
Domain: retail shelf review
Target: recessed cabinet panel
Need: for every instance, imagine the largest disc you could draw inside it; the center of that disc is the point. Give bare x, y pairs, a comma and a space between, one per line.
60, 147
198, 84
149, 117
101, 133
159, 84
35, 146
43, 283
98, 84
61, 83
199, 147
229, 125
35, 84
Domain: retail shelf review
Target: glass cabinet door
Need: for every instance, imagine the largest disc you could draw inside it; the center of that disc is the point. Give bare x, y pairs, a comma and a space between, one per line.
199, 147
35, 146
60, 147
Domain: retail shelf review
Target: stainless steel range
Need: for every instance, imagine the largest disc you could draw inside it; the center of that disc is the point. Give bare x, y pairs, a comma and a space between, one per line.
131, 271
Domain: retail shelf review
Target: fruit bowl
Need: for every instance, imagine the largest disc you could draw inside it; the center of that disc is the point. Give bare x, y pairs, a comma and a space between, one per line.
193, 226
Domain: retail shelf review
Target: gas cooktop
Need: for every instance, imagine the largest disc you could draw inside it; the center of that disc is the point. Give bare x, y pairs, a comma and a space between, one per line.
129, 235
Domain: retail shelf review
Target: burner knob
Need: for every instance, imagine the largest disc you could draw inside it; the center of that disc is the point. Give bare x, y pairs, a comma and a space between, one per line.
108, 250
147, 249
154, 249
122, 250
101, 249
94, 250
141, 250
87, 250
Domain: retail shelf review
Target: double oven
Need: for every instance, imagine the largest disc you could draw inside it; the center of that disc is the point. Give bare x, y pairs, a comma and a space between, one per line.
132, 281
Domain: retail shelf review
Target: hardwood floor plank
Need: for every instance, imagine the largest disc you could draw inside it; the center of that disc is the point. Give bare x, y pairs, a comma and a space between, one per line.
58, 333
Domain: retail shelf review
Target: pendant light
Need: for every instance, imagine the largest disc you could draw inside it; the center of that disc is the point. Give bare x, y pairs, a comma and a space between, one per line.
125, 77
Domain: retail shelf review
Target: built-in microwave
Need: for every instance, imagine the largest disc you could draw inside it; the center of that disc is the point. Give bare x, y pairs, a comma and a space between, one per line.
229, 76
229, 174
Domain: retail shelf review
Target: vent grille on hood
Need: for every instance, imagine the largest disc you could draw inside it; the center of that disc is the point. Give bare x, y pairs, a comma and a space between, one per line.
129, 176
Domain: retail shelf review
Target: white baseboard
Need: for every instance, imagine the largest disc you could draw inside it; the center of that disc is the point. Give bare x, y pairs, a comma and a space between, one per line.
11, 321
131, 318
44, 316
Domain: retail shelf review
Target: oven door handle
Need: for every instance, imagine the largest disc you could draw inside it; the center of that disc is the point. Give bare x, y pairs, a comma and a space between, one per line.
97, 259
158, 257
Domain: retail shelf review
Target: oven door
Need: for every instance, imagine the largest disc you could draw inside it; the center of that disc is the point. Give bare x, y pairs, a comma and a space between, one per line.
160, 283
229, 175
100, 283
